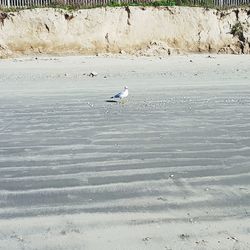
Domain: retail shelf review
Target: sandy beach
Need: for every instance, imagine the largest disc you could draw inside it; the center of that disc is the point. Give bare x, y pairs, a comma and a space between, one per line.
167, 169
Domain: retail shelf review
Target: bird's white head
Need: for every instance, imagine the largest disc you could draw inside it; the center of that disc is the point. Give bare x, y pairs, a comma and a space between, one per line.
125, 87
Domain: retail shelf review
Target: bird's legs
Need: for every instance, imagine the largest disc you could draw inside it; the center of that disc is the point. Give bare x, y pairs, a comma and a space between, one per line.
122, 101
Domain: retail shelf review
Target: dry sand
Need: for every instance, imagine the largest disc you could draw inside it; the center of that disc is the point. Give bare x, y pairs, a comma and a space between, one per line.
168, 169
132, 30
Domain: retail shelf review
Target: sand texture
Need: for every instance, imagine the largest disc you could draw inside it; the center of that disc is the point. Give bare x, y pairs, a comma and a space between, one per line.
167, 169
133, 30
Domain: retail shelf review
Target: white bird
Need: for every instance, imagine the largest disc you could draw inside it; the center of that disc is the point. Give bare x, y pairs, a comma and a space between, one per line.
122, 94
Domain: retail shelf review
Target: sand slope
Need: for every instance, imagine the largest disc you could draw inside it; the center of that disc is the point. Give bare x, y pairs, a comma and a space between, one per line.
134, 30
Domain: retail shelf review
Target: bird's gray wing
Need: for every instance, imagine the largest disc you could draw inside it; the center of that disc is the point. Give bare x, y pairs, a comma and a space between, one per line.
117, 95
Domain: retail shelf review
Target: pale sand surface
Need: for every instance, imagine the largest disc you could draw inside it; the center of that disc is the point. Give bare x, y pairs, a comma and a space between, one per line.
168, 169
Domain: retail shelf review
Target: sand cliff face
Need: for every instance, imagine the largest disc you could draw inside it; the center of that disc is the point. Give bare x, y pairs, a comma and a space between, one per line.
134, 30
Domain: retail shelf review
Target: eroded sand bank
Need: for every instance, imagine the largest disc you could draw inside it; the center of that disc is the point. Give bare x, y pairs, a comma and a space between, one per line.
168, 169
132, 30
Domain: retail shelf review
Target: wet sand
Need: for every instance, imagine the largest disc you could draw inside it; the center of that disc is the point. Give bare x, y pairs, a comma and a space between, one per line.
167, 169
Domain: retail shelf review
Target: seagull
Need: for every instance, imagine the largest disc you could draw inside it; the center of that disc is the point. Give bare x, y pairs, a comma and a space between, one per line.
122, 94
